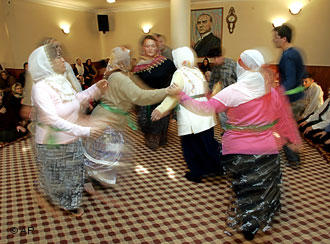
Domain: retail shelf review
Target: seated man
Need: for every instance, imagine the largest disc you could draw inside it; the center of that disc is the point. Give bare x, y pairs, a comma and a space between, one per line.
316, 122
313, 95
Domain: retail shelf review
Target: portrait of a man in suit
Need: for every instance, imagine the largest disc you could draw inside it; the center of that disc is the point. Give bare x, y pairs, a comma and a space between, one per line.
206, 39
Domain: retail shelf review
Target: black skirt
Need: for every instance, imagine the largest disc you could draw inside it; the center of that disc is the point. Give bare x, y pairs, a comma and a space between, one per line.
256, 183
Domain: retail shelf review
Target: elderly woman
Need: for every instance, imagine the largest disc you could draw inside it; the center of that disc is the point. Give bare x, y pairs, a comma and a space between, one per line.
156, 72
259, 121
58, 106
115, 103
200, 150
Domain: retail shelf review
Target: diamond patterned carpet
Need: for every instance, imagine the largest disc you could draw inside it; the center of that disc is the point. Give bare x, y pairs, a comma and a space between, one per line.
153, 203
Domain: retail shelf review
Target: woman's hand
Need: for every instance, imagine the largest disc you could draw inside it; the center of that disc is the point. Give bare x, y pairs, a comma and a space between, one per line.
96, 132
156, 115
173, 90
102, 85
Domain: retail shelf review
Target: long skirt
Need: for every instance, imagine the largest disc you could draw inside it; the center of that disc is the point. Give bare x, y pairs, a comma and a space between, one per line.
155, 132
103, 156
202, 153
61, 173
256, 183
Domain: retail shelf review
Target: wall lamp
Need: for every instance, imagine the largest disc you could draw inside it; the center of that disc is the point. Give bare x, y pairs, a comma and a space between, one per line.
65, 28
146, 28
295, 7
278, 22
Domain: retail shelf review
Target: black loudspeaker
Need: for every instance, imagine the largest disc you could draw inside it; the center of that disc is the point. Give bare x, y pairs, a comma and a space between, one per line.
103, 22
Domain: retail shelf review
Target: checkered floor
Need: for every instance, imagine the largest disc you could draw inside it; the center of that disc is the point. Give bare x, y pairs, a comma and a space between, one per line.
153, 203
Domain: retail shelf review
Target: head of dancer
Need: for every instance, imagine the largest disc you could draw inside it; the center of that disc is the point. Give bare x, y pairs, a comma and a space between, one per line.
149, 46
46, 61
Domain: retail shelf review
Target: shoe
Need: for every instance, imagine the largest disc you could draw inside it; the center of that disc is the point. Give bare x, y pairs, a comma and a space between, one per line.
78, 212
294, 165
190, 177
248, 235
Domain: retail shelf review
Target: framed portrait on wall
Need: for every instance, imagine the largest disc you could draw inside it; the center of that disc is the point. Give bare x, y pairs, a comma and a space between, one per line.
206, 30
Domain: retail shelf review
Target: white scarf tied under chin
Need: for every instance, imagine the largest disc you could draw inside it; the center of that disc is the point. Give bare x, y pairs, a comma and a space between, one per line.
250, 83
41, 70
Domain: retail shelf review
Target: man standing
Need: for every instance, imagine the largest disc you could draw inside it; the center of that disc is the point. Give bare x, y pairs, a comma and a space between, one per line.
207, 39
291, 69
223, 71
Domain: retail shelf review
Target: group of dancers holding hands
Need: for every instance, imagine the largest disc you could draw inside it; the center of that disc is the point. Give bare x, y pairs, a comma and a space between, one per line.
259, 123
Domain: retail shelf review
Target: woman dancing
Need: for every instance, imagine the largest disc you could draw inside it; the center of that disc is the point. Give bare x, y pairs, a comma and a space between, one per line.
57, 108
155, 71
112, 111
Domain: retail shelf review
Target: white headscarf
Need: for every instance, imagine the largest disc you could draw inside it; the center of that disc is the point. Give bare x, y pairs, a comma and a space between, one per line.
184, 60
40, 69
183, 56
39, 65
250, 82
119, 59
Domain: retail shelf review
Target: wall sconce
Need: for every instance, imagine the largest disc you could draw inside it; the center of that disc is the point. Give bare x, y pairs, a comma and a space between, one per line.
65, 28
111, 1
278, 22
146, 28
295, 8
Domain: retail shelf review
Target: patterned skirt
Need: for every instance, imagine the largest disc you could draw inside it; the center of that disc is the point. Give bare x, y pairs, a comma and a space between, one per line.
256, 183
149, 127
61, 173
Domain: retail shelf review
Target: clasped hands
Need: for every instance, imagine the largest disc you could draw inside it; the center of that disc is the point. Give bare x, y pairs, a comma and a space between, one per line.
172, 90
102, 85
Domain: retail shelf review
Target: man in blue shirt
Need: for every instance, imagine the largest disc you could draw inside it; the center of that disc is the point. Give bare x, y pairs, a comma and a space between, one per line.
291, 70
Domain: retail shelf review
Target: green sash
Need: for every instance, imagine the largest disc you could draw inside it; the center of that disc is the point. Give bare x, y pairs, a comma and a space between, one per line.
295, 90
119, 111
251, 127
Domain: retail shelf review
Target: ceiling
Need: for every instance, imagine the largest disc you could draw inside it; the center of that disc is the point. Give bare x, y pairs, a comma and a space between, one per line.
119, 5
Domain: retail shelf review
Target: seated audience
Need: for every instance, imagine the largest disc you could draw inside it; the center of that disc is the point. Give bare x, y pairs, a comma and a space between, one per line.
205, 66
6, 80
21, 77
313, 96
10, 122
323, 137
79, 69
90, 72
316, 122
